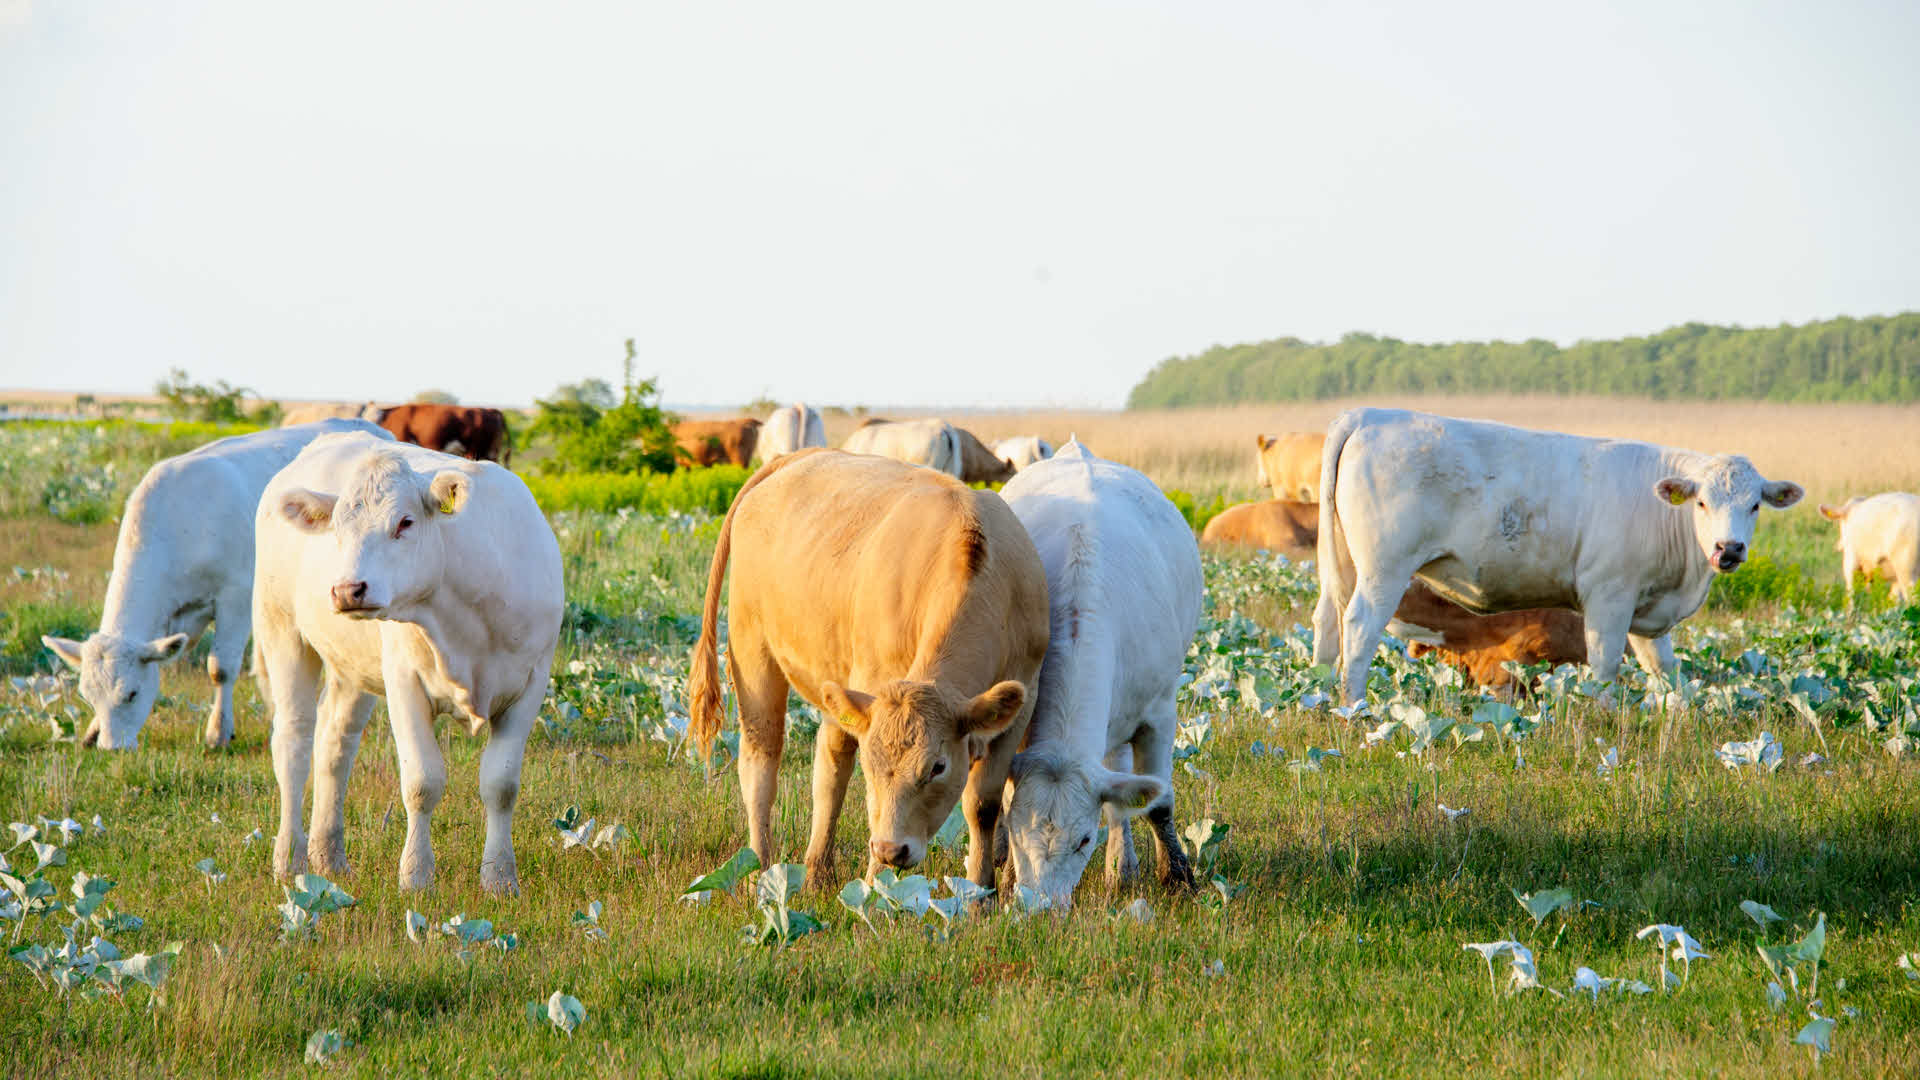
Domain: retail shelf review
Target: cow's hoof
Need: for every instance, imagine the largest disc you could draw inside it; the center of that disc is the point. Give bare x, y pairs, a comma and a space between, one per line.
215, 740
332, 864
820, 872
500, 880
289, 858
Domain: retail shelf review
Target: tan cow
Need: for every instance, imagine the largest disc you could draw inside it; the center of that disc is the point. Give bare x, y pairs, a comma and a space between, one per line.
314, 413
1479, 644
979, 465
910, 609
1290, 464
715, 442
1290, 528
1879, 533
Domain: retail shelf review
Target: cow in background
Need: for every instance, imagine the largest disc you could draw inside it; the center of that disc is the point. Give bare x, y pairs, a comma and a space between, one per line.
473, 433
1290, 464
792, 428
718, 442
1023, 450
1879, 533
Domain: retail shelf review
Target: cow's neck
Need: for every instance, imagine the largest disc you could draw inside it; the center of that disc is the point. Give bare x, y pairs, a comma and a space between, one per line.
1074, 699
1679, 549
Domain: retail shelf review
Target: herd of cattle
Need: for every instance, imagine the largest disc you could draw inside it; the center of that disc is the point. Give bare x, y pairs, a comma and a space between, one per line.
1015, 652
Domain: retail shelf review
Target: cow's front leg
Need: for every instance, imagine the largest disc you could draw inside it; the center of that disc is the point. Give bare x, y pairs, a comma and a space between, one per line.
346, 711
980, 801
833, 756
423, 773
1153, 756
1607, 620
293, 681
500, 766
1656, 655
1122, 862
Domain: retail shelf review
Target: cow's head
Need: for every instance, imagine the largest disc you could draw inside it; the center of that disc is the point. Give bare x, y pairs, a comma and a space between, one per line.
386, 526
918, 741
1053, 817
119, 678
1724, 497
1262, 443
1838, 515
1001, 471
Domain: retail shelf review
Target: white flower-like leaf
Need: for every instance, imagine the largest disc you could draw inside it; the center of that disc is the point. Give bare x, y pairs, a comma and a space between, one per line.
565, 1012
416, 924
1759, 913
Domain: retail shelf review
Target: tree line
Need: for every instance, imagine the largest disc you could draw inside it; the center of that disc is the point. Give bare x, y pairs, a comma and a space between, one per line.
1873, 359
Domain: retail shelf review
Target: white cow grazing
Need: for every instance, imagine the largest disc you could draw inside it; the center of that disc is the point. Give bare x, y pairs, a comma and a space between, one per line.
1497, 518
1879, 533
184, 559
1023, 450
427, 578
1124, 592
932, 443
794, 427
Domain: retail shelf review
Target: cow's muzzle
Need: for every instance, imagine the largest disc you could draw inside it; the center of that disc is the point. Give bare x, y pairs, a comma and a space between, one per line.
350, 598
892, 853
1728, 555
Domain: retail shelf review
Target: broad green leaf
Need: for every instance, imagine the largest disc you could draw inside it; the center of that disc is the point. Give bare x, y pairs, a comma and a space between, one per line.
322, 1045
1818, 1034
416, 926
1759, 913
1543, 903
730, 874
565, 1012
568, 819
1809, 949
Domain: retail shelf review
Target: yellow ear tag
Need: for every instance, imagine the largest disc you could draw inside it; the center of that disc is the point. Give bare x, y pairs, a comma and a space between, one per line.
1141, 800
1677, 497
449, 502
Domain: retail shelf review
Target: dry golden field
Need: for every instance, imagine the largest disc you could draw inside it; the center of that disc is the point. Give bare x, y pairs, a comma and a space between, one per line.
1832, 450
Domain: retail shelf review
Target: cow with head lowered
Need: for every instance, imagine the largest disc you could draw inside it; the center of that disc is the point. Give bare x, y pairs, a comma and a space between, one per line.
1498, 518
384, 569
183, 560
907, 607
1124, 589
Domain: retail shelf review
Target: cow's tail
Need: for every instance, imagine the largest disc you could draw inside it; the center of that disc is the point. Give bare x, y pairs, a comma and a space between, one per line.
705, 713
1331, 545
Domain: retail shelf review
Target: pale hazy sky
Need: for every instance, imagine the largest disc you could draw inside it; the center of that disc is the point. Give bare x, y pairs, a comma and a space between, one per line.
914, 204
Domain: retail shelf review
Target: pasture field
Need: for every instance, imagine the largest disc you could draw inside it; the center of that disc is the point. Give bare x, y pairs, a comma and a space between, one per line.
1343, 954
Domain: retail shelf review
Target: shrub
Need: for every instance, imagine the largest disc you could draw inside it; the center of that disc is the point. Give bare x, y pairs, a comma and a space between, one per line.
188, 400
686, 491
632, 437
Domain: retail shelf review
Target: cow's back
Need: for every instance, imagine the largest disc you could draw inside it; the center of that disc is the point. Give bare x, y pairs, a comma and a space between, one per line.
860, 569
930, 442
1282, 525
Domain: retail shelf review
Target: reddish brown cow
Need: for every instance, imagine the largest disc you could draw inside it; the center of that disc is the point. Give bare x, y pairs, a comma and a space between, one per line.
711, 442
1479, 644
476, 434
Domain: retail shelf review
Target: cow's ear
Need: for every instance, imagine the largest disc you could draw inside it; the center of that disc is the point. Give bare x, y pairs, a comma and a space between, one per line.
1676, 489
162, 649
66, 649
1128, 793
308, 511
1263, 441
449, 490
994, 709
1781, 494
851, 709
1834, 513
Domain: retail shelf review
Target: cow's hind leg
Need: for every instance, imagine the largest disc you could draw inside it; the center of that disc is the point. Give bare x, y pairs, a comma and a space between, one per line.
500, 766
292, 674
1375, 598
344, 716
1656, 655
761, 690
232, 623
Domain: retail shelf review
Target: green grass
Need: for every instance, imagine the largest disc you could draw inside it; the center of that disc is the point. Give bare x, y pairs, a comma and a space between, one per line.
1343, 955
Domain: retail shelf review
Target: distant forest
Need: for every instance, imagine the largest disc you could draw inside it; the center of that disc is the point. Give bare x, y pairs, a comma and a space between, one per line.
1873, 359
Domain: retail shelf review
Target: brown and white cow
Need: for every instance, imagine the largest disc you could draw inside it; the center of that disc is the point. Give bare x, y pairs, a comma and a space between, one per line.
1879, 534
1282, 525
473, 433
910, 609
718, 442
1290, 464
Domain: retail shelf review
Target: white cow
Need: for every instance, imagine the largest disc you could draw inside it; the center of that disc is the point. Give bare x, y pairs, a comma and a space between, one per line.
420, 576
932, 443
184, 559
794, 427
1879, 533
1124, 592
1023, 450
1496, 518
311, 413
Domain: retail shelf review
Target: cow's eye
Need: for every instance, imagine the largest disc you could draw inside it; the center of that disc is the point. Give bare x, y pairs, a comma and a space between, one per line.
939, 770
131, 694
1084, 841
1703, 504
401, 529
1754, 509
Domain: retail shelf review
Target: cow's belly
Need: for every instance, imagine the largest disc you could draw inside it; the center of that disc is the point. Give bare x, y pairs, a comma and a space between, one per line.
1489, 590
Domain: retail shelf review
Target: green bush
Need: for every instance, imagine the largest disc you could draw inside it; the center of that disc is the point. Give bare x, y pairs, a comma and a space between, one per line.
632, 437
1196, 512
685, 491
